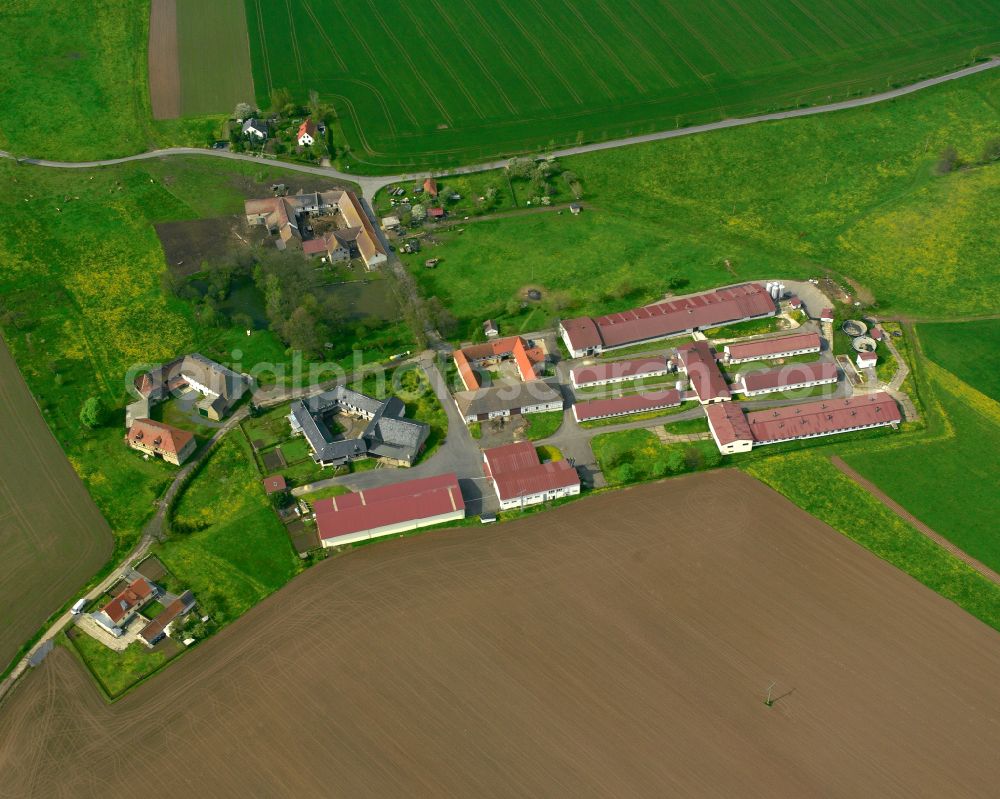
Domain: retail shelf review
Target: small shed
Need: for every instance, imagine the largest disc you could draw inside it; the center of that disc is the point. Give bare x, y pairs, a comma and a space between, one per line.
575, 209
795, 303
490, 329
876, 333
866, 360
274, 484
826, 315
390, 222
435, 213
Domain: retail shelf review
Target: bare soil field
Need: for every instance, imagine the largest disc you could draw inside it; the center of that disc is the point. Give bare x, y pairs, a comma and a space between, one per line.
52, 536
164, 60
189, 242
618, 646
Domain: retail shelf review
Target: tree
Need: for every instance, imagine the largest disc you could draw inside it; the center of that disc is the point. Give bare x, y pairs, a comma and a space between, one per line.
991, 152
280, 99
519, 168
302, 332
947, 160
659, 469
693, 458
675, 461
713, 458
677, 282
626, 473
92, 413
243, 111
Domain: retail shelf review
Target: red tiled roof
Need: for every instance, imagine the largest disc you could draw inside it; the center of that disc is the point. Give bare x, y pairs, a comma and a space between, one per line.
431, 187
136, 593
516, 471
790, 375
823, 416
372, 508
307, 127
153, 630
157, 435
728, 423
618, 370
314, 246
435, 213
274, 483
826, 313
703, 371
524, 357
619, 406
671, 317
773, 346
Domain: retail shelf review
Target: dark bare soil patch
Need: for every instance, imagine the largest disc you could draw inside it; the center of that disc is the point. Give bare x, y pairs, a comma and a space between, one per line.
164, 60
619, 645
188, 243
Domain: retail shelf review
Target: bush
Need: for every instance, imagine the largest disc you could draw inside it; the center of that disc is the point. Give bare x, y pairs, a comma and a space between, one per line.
92, 414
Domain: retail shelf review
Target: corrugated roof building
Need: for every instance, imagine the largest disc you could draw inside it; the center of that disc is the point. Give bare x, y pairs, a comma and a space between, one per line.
787, 378
520, 479
780, 347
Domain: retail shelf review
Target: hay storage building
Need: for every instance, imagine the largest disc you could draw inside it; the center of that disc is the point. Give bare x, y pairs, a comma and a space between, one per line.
389, 510
587, 335
780, 347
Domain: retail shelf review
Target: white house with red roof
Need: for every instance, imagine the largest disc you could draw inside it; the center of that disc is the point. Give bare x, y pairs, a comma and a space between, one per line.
521, 479
117, 613
307, 133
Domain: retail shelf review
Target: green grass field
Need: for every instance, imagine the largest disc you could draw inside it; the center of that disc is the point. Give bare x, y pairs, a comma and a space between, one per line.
81, 302
116, 672
447, 82
214, 56
239, 552
967, 350
854, 192
949, 478
75, 82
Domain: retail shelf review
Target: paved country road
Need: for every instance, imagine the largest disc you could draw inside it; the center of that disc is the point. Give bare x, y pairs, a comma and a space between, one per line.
371, 184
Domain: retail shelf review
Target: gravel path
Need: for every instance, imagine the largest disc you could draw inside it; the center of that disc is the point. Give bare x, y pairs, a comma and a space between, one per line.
371, 184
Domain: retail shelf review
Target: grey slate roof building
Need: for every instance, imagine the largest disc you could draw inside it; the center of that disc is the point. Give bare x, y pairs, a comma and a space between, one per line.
388, 435
255, 127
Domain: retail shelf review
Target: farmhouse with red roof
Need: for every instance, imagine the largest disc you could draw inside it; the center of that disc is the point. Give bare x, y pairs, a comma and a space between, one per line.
117, 613
155, 438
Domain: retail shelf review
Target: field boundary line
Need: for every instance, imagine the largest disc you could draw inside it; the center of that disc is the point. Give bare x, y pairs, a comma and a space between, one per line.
324, 36
639, 47
608, 50
472, 53
377, 65
445, 63
294, 36
544, 55
502, 47
909, 518
263, 46
572, 47
694, 34
404, 51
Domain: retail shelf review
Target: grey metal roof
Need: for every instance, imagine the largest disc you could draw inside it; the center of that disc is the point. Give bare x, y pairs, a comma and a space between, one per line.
506, 397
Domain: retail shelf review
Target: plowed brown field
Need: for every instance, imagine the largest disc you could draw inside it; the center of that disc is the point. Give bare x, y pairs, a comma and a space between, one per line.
52, 536
619, 646
164, 60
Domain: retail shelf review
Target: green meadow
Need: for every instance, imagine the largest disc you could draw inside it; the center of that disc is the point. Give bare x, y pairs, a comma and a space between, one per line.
854, 193
967, 350
452, 82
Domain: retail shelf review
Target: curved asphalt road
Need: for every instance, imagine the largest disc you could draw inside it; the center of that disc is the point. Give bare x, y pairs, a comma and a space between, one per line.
371, 184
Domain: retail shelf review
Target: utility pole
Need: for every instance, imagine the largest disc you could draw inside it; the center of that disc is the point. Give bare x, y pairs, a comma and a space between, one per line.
769, 701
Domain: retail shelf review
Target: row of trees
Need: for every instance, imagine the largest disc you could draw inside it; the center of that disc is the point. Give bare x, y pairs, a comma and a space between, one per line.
949, 159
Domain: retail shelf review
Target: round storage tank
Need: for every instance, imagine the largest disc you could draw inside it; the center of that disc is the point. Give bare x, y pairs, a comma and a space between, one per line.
864, 344
854, 327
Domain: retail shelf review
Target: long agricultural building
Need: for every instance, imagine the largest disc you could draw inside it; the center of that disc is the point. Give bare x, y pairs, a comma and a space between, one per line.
602, 374
698, 361
623, 406
787, 378
507, 399
512, 348
734, 431
587, 335
521, 479
389, 510
780, 347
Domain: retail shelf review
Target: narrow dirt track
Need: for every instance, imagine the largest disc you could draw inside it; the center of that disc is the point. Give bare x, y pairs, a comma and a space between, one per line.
371, 184
618, 646
909, 518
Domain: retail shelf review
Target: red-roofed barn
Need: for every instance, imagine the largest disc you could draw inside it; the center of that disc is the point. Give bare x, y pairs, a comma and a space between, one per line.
520, 478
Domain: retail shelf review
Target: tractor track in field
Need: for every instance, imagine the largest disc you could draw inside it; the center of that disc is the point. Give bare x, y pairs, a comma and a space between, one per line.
370, 184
